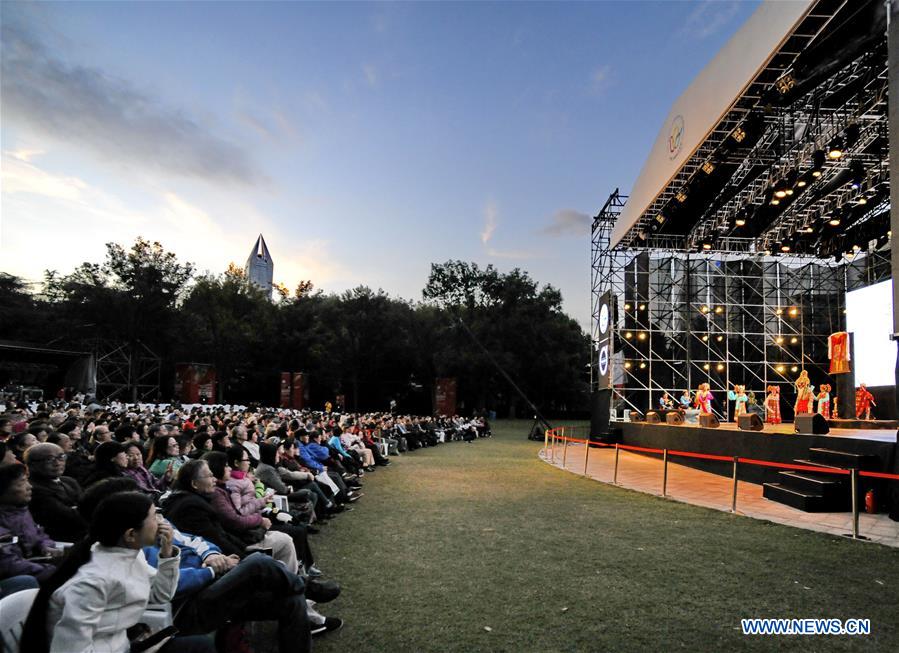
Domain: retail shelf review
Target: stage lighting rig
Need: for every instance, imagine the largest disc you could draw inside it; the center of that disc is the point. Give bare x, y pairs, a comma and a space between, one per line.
818, 159
835, 149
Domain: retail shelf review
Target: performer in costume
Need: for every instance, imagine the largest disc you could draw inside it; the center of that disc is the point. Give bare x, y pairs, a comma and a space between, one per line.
685, 400
666, 402
804, 394
738, 395
863, 402
838, 352
824, 400
704, 399
772, 405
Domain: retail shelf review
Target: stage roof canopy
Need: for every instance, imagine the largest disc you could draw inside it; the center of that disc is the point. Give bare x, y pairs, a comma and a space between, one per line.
796, 81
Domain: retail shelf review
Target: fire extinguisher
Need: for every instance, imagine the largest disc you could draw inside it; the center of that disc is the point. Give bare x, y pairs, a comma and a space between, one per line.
870, 502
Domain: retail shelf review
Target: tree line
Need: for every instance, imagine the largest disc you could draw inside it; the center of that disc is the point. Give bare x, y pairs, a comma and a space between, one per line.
361, 343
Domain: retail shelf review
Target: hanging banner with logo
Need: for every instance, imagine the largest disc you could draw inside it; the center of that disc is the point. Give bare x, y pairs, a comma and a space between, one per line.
603, 344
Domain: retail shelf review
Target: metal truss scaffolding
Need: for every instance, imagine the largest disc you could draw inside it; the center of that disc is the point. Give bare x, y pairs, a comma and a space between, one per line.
683, 318
127, 372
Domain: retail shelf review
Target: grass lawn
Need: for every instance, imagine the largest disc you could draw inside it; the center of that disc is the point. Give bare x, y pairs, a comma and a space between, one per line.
452, 539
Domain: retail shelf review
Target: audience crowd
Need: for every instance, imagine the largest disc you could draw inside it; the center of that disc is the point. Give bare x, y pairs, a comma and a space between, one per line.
209, 511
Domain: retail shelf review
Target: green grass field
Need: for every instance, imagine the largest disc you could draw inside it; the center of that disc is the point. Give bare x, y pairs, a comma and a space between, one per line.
452, 540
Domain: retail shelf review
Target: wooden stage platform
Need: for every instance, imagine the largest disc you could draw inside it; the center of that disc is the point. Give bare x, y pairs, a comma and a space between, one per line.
776, 443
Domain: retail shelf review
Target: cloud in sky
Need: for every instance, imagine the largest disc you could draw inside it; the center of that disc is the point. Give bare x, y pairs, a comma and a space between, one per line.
708, 18
600, 79
491, 218
371, 74
179, 223
568, 222
110, 116
512, 254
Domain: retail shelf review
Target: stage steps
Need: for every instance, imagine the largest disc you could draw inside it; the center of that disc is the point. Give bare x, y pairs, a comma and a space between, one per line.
818, 492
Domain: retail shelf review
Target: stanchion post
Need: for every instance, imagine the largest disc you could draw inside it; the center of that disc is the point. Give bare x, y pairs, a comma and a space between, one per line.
564, 449
615, 473
545, 439
733, 496
854, 504
586, 452
552, 448
664, 472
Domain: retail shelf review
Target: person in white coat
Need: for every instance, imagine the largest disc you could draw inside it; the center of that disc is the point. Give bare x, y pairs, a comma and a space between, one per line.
104, 585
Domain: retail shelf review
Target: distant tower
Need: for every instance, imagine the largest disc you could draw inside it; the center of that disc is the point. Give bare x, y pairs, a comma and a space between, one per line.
260, 268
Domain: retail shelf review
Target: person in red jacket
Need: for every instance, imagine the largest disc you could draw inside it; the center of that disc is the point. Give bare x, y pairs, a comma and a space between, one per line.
863, 402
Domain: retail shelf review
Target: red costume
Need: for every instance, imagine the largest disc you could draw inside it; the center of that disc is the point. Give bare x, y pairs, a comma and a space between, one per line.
704, 399
824, 401
803, 394
863, 402
772, 405
838, 352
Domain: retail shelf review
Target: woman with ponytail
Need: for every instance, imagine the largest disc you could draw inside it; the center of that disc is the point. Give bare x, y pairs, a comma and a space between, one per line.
104, 585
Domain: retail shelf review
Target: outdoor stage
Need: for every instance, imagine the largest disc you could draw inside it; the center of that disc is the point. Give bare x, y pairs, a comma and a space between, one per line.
776, 443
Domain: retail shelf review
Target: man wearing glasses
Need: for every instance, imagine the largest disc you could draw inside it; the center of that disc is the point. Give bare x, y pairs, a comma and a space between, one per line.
53, 496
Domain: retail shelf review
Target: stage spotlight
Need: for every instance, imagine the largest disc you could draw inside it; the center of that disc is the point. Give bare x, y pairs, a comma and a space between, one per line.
706, 366
719, 338
720, 367
835, 149
642, 366
705, 338
704, 309
807, 228
740, 221
794, 340
774, 200
719, 309
628, 335
779, 311
862, 200
780, 368
802, 181
738, 134
780, 189
785, 248
708, 167
790, 181
627, 307
627, 365
818, 158
779, 340
681, 196
794, 369
857, 170
641, 336
785, 83
794, 312
642, 307
834, 221
707, 246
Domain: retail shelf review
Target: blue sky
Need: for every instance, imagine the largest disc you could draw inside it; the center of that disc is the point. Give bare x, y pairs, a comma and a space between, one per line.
364, 140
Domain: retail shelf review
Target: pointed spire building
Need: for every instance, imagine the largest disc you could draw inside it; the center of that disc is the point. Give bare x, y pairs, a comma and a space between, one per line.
260, 268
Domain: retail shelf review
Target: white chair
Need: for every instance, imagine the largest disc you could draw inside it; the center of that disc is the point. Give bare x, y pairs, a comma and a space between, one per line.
158, 616
14, 611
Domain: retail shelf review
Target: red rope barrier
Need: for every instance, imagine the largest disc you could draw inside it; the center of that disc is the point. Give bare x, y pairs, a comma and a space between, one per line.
804, 468
892, 477
747, 461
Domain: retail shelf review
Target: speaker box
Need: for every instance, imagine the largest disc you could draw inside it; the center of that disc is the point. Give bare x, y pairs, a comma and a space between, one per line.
750, 422
599, 412
652, 417
674, 418
811, 424
709, 421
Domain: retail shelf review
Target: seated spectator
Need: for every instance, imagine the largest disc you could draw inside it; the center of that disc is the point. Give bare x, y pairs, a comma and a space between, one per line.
190, 509
61, 440
164, 456
20, 442
105, 584
54, 497
221, 441
6, 455
34, 553
135, 470
242, 524
267, 472
110, 461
